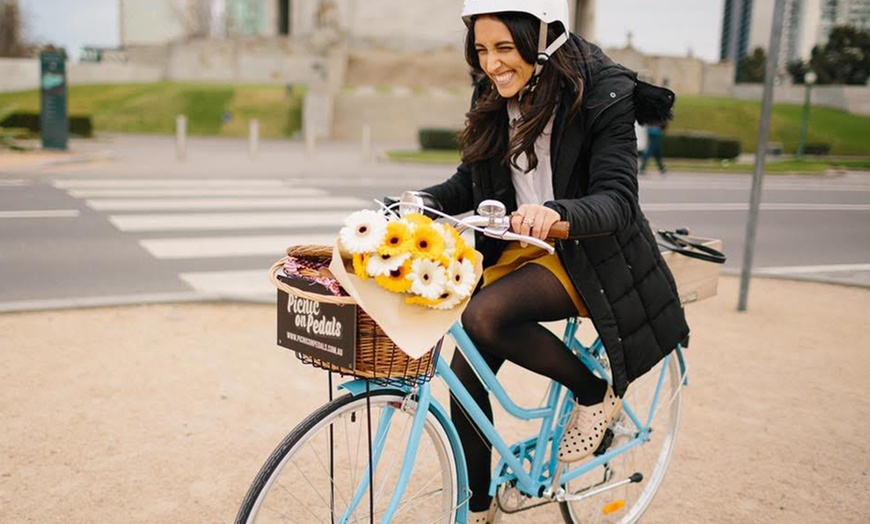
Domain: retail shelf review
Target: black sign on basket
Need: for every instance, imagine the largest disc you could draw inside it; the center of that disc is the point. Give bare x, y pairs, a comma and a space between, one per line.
319, 330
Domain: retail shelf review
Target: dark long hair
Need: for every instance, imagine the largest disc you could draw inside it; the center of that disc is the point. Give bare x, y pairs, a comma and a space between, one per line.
486, 131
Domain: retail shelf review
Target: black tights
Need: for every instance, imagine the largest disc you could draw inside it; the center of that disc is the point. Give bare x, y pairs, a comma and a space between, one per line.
502, 320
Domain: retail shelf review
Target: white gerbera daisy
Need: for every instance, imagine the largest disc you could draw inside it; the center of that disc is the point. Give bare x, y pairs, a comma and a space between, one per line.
449, 239
428, 279
363, 231
380, 265
461, 278
449, 300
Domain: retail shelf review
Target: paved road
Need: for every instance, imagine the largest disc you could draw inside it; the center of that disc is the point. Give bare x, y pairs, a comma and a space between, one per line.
146, 227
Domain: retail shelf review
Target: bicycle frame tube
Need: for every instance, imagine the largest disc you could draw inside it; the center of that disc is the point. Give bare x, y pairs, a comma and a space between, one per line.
533, 480
375, 453
469, 350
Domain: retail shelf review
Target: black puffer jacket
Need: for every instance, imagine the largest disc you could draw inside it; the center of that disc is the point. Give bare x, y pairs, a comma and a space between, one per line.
612, 256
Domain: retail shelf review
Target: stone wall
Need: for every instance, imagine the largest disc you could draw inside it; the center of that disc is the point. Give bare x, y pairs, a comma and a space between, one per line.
684, 75
18, 74
112, 73
254, 61
395, 115
853, 99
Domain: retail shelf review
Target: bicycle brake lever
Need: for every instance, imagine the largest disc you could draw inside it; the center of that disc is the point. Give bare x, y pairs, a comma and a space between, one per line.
504, 233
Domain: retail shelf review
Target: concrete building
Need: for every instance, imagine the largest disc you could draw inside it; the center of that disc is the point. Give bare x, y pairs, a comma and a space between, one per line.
390, 23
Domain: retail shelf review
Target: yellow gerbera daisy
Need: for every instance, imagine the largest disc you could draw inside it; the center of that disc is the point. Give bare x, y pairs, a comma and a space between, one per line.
417, 219
422, 301
398, 239
468, 253
360, 261
428, 243
397, 279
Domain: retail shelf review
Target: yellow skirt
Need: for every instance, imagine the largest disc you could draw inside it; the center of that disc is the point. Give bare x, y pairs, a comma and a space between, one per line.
515, 257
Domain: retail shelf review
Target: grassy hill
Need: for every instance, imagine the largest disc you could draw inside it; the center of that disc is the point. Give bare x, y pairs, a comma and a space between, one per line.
846, 133
152, 108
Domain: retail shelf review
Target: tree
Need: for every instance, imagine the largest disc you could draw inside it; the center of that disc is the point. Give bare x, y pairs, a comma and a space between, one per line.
11, 34
845, 59
751, 68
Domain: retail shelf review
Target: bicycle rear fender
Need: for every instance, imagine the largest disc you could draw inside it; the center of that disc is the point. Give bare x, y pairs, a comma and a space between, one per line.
358, 387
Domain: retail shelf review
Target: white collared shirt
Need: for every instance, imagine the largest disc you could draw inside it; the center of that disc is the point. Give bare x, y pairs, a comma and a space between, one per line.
536, 186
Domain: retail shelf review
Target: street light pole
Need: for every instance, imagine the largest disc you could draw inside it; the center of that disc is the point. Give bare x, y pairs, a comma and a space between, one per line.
809, 80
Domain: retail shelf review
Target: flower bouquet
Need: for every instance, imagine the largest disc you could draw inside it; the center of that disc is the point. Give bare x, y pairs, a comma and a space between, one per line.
429, 262
412, 275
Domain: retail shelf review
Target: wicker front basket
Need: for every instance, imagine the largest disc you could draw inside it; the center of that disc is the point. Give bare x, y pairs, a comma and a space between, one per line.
377, 357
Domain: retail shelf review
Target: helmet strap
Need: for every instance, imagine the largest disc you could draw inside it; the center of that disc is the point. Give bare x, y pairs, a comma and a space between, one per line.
544, 54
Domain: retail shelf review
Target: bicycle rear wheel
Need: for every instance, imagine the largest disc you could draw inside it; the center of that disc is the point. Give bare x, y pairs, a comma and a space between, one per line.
627, 503
318, 473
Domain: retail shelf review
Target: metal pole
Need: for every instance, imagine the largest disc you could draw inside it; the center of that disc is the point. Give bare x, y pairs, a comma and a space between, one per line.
761, 151
310, 142
181, 138
367, 142
253, 138
804, 120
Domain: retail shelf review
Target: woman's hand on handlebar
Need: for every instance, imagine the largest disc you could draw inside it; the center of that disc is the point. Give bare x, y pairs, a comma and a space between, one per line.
534, 221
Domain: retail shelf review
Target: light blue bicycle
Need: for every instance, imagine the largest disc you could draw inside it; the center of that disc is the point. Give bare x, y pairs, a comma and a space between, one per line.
388, 452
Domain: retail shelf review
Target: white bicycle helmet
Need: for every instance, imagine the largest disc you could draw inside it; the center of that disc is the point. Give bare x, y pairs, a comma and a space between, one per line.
547, 11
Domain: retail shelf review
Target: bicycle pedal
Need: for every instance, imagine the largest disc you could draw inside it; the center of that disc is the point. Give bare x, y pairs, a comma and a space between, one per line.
605, 443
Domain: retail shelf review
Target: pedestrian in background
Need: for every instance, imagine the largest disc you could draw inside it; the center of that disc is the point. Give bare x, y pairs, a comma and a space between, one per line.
640, 131
655, 134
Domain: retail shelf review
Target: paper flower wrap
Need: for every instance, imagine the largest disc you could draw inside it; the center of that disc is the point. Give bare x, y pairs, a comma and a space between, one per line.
412, 255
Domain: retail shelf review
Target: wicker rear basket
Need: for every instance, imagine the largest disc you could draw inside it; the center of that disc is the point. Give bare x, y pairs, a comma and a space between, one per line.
376, 357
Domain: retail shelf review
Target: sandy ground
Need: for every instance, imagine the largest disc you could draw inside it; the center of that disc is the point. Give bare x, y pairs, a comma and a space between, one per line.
165, 413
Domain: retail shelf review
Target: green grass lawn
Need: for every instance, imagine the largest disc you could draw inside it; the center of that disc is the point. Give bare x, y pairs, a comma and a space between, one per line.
848, 134
152, 108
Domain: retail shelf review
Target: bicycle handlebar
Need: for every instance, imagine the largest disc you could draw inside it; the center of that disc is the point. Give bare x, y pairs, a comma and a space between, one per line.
492, 221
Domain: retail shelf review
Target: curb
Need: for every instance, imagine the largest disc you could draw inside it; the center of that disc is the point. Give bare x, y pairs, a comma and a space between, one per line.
194, 297
74, 158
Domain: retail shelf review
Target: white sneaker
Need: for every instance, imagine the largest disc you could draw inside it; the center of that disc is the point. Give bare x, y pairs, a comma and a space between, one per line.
586, 427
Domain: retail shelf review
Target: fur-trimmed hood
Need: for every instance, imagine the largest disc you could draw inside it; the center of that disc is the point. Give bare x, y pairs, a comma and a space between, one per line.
606, 81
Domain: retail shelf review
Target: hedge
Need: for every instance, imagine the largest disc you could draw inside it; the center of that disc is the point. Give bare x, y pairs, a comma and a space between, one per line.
700, 145
78, 125
817, 149
674, 145
441, 139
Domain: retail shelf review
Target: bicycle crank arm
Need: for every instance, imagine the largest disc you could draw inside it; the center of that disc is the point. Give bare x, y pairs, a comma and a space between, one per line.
635, 478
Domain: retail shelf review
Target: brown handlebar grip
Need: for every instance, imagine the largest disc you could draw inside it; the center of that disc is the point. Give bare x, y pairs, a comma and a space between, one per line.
559, 230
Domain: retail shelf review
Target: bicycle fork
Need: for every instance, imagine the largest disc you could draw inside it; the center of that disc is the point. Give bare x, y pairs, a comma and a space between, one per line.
376, 450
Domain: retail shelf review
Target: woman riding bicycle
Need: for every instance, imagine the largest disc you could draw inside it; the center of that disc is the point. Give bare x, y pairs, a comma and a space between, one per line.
551, 134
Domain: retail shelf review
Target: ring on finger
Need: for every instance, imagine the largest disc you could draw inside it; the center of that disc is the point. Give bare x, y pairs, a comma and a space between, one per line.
529, 222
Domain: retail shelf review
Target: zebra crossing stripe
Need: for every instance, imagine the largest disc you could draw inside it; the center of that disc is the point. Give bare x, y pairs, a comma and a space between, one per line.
162, 204
233, 246
741, 206
80, 183
198, 192
245, 284
227, 221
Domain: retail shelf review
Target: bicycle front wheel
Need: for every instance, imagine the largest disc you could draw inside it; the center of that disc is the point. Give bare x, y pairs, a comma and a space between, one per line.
320, 471
656, 393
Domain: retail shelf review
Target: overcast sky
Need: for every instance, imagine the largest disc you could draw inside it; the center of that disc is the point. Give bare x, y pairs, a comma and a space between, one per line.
667, 27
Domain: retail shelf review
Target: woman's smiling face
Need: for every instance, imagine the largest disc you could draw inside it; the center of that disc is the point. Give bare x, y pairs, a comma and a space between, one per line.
499, 57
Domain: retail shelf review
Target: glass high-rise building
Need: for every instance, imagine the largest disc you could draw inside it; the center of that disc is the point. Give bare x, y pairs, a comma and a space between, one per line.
736, 25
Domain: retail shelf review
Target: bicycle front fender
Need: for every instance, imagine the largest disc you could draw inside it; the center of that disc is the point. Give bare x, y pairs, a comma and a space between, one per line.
358, 387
